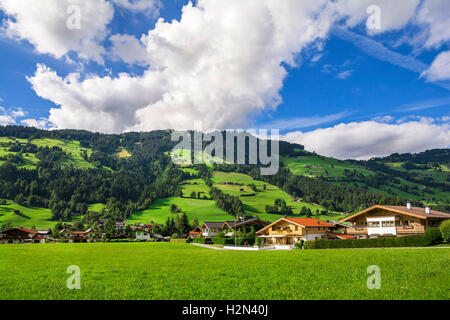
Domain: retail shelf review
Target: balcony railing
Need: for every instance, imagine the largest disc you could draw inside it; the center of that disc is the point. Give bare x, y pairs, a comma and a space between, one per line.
357, 230
410, 229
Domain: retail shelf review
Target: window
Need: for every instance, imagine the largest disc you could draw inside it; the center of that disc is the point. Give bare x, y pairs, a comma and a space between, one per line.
374, 224
296, 228
386, 224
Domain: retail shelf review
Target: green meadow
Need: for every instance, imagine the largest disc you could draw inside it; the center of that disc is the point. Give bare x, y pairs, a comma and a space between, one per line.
186, 272
72, 148
255, 202
159, 211
31, 216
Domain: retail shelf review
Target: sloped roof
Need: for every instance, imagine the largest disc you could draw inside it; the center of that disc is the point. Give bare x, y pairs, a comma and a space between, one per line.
237, 224
414, 211
215, 225
304, 222
310, 222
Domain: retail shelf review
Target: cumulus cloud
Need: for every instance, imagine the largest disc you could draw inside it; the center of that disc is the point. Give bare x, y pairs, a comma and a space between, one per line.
365, 140
41, 123
220, 63
44, 24
440, 68
394, 14
433, 15
9, 116
128, 49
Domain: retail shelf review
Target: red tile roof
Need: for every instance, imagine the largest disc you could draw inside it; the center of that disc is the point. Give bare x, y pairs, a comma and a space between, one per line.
310, 222
345, 236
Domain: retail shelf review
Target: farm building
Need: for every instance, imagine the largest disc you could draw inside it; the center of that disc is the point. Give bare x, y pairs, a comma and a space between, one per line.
81, 236
383, 220
21, 235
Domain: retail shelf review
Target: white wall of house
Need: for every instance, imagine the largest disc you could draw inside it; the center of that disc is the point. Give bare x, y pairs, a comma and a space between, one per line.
314, 236
142, 235
381, 230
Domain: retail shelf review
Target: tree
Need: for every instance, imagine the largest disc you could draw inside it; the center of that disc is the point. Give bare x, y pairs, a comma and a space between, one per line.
433, 236
174, 208
195, 223
445, 230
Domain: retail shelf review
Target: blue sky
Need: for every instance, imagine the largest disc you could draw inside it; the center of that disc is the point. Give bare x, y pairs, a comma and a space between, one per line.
344, 82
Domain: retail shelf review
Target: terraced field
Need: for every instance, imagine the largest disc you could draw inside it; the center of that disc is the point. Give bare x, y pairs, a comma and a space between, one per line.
255, 202
71, 148
204, 210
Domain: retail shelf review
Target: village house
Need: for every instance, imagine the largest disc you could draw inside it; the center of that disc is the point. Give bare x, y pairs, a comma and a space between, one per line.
21, 235
210, 229
81, 236
142, 234
285, 232
391, 221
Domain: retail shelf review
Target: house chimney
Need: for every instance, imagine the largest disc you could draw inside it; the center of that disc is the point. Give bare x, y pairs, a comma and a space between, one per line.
408, 205
427, 210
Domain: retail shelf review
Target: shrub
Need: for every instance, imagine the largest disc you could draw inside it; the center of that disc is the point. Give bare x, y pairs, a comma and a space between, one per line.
179, 240
410, 241
445, 230
433, 236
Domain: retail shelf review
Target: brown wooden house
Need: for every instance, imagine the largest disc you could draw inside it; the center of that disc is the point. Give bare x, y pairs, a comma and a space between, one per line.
391, 221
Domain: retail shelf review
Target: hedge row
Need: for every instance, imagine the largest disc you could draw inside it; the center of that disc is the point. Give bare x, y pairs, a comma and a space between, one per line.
202, 240
233, 241
410, 241
179, 240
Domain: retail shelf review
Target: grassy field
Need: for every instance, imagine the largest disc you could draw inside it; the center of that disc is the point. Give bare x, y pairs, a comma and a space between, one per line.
71, 148
255, 204
315, 166
31, 216
204, 210
182, 271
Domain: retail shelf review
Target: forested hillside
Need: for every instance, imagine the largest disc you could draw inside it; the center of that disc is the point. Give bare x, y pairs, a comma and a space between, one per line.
72, 175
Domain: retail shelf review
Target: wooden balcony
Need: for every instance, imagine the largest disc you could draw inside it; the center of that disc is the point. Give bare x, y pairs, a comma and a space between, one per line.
410, 229
357, 230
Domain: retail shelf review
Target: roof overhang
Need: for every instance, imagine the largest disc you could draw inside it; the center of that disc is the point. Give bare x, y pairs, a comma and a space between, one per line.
384, 208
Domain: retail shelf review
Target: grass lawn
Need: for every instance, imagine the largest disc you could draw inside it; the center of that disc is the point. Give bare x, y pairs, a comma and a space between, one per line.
204, 210
186, 272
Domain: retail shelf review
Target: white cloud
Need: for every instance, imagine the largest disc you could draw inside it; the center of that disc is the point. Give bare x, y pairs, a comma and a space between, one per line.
220, 63
434, 16
41, 123
440, 68
394, 14
365, 140
128, 49
345, 74
18, 113
9, 116
44, 24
